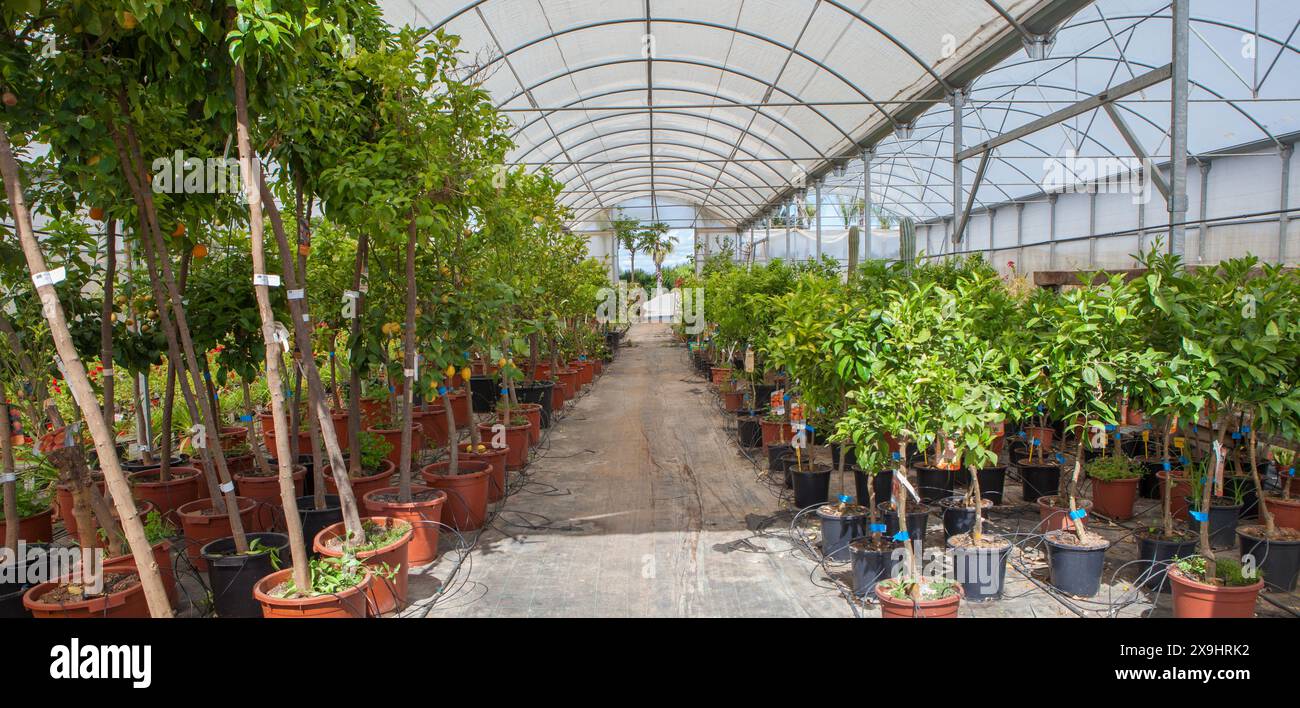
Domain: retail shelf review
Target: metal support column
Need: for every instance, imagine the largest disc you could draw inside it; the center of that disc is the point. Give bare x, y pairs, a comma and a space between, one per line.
1284, 218
1203, 230
817, 195
1092, 229
958, 102
867, 157
1020, 234
1178, 129
1051, 230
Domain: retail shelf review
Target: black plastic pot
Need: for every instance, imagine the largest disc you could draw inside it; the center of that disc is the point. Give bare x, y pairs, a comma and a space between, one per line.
1039, 480
957, 519
1075, 570
1156, 555
883, 482
763, 395
1149, 485
749, 431
483, 392
308, 482
232, 576
850, 459
776, 461
1223, 523
870, 566
918, 518
1249, 498
838, 531
1279, 561
313, 521
539, 393
992, 483
131, 467
11, 593
933, 483
812, 485
982, 572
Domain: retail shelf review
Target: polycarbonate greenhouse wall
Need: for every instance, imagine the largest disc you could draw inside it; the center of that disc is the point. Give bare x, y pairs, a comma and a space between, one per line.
722, 116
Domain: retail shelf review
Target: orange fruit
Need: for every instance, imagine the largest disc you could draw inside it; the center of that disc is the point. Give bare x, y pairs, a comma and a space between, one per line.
199, 251
180, 230
97, 213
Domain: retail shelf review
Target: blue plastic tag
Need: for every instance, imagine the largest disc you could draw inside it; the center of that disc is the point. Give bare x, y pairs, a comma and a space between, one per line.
786, 397
1236, 436
1037, 442
331, 355
877, 528
1245, 429
1183, 460
1200, 516
1168, 467
1078, 514
809, 428
442, 390
1119, 436
901, 536
392, 390
1147, 427
897, 457
1291, 472
1060, 459
845, 499
505, 392
582, 358
1040, 408
245, 418
1110, 428
1021, 434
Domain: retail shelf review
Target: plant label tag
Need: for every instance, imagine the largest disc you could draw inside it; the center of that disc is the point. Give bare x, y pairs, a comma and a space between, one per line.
902, 479
266, 279
1220, 460
227, 488
297, 294
749, 361
107, 373
8, 478
50, 277
1180, 443
777, 402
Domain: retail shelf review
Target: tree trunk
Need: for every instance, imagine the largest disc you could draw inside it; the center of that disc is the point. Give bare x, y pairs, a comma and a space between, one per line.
408, 363
1074, 487
106, 323
1270, 526
8, 476
79, 385
354, 369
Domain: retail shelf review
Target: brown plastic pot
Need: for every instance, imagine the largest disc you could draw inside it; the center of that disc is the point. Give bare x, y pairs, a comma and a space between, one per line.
460, 409
1057, 518
585, 375
423, 516
558, 396
1194, 599
394, 439
1182, 489
37, 528
266, 490
517, 442
233, 436
1286, 512
569, 377
128, 603
467, 492
1114, 498
385, 595
1043, 435
533, 413
497, 473
732, 401
775, 432
433, 420
364, 484
598, 366
372, 409
351, 603
199, 528
893, 608
167, 497
719, 375
162, 555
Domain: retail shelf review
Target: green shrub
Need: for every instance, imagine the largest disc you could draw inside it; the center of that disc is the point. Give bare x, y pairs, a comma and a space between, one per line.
1113, 467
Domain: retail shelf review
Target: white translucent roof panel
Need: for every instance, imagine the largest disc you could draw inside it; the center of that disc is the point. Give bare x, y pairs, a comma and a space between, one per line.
728, 103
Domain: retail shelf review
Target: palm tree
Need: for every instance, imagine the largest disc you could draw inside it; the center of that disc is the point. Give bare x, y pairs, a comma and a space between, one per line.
629, 234
659, 245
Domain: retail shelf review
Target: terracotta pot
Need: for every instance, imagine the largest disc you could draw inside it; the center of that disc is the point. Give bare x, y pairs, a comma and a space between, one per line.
585, 375
37, 528
372, 409
423, 516
569, 377
460, 409
497, 473
558, 396
543, 371
1114, 498
167, 497
1286, 512
349, 603
233, 436
1194, 599
1182, 489
237, 465
467, 492
1043, 435
598, 366
266, 490
1136, 417
364, 484
775, 432
199, 528
127, 603
394, 440
1055, 518
893, 608
302, 446
162, 555
340, 419
719, 375
533, 412
433, 420
517, 438
386, 595
732, 401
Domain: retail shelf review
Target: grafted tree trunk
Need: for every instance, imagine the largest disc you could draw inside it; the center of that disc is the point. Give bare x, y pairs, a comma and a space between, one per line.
82, 393
9, 474
106, 323
408, 363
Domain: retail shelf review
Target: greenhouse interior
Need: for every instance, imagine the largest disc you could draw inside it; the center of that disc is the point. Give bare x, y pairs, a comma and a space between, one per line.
649, 309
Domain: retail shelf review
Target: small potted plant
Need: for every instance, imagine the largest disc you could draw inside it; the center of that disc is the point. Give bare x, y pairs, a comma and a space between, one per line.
338, 590
386, 550
1231, 592
1114, 486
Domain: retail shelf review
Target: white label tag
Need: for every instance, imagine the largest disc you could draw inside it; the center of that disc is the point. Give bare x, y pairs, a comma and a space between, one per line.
267, 279
50, 277
306, 317
297, 294
227, 488
408, 373
902, 479
8, 478
107, 373
282, 336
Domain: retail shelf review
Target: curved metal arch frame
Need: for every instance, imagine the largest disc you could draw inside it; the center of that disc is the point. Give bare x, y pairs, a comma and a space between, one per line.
671, 144
689, 62
593, 178
686, 181
679, 196
795, 51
